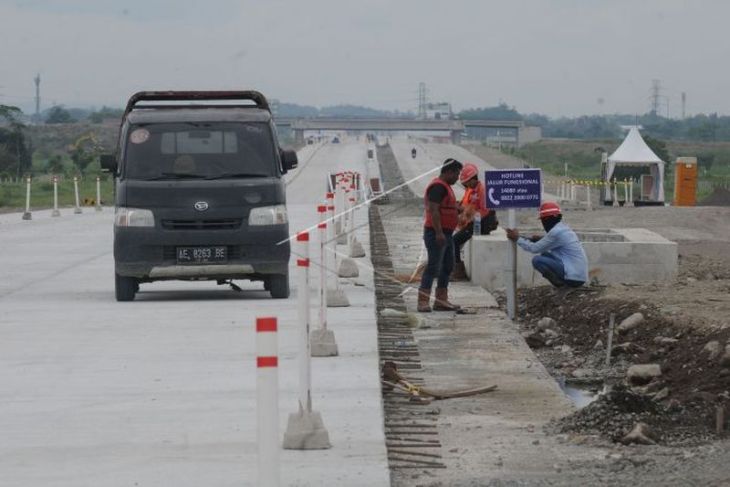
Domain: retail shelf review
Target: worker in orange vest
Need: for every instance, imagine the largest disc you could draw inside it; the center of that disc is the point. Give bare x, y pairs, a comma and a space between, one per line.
473, 204
440, 221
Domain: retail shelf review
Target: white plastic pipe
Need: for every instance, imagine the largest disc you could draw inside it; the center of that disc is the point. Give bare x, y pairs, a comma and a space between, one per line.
588, 197
332, 240
27, 215
77, 209
55, 197
98, 193
631, 192
322, 227
305, 367
267, 401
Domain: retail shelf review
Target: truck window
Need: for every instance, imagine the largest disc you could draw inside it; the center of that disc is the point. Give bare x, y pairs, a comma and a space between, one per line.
199, 150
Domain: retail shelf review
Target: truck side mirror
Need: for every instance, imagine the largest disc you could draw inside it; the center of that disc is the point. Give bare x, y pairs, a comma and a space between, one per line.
108, 163
289, 159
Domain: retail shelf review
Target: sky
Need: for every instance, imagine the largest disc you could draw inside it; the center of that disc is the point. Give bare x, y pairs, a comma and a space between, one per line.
556, 57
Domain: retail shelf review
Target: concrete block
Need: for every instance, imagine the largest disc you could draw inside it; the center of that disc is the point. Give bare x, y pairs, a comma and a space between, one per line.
322, 343
356, 249
305, 431
55, 213
348, 268
78, 211
617, 255
341, 239
27, 216
336, 298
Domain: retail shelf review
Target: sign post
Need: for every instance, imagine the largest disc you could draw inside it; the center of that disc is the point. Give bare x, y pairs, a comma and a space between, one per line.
508, 190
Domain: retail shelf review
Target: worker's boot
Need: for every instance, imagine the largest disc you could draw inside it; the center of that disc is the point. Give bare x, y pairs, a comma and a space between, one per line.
459, 273
424, 298
441, 303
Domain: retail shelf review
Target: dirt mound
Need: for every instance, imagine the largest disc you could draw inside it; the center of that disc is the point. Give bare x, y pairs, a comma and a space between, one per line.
615, 414
719, 197
680, 403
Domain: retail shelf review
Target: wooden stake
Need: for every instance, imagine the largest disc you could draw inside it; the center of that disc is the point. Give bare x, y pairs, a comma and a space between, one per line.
609, 343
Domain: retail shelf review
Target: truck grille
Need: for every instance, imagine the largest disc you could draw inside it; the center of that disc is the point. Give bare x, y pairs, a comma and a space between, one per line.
223, 224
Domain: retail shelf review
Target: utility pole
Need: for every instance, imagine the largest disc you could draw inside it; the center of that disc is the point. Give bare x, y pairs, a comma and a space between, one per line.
684, 105
37, 80
421, 100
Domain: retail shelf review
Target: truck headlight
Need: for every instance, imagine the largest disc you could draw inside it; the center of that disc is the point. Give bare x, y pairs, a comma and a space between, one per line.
267, 215
133, 217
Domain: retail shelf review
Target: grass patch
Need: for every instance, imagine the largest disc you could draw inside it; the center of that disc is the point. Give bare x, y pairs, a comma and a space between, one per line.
12, 195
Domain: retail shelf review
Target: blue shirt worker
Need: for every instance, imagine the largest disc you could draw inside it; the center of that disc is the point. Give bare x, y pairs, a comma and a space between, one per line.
561, 259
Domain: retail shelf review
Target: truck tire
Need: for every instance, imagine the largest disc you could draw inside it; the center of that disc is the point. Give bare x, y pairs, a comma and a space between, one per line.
279, 286
125, 287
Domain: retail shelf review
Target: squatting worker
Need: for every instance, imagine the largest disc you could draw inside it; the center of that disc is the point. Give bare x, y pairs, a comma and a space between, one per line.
561, 259
474, 202
441, 218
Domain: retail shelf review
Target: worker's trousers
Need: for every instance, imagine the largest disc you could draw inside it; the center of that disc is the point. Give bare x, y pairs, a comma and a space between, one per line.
553, 270
440, 259
488, 224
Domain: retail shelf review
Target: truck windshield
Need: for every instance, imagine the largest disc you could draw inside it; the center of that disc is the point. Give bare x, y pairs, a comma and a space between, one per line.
199, 151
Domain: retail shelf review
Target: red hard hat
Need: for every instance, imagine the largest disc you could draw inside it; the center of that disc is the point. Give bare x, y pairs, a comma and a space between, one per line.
469, 171
549, 208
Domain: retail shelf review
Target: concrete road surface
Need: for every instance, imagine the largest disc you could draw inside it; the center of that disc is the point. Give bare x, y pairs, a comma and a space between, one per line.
161, 391
430, 156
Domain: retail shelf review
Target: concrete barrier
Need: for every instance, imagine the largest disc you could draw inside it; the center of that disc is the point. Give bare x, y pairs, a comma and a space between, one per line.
616, 255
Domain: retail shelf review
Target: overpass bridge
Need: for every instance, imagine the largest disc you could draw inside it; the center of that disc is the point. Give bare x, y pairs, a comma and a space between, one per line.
513, 131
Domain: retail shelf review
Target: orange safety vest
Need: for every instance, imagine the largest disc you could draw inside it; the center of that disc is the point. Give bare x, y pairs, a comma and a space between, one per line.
475, 199
447, 209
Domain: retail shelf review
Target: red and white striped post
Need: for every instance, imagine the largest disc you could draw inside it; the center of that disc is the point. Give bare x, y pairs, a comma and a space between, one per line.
305, 367
267, 388
322, 227
337, 297
351, 212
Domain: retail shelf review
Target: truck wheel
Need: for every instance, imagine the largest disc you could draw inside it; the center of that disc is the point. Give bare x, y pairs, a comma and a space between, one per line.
125, 287
279, 286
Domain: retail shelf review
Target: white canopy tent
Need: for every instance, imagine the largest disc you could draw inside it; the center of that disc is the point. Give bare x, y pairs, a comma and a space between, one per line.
633, 151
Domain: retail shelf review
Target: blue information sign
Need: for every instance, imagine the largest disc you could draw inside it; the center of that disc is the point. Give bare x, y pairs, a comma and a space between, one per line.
513, 188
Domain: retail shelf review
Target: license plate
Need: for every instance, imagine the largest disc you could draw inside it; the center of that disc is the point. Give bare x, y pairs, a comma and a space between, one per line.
202, 255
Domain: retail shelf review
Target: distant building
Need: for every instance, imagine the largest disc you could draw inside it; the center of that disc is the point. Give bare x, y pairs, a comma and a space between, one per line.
439, 111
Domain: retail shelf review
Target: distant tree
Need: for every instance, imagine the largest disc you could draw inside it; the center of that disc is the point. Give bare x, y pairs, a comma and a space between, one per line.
84, 151
705, 160
500, 112
353, 111
15, 155
659, 147
55, 164
105, 113
58, 114
294, 110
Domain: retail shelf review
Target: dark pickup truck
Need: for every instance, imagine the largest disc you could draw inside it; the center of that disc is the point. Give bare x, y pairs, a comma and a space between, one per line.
199, 192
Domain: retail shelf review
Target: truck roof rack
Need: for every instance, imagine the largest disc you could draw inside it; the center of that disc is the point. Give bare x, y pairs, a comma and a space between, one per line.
193, 96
